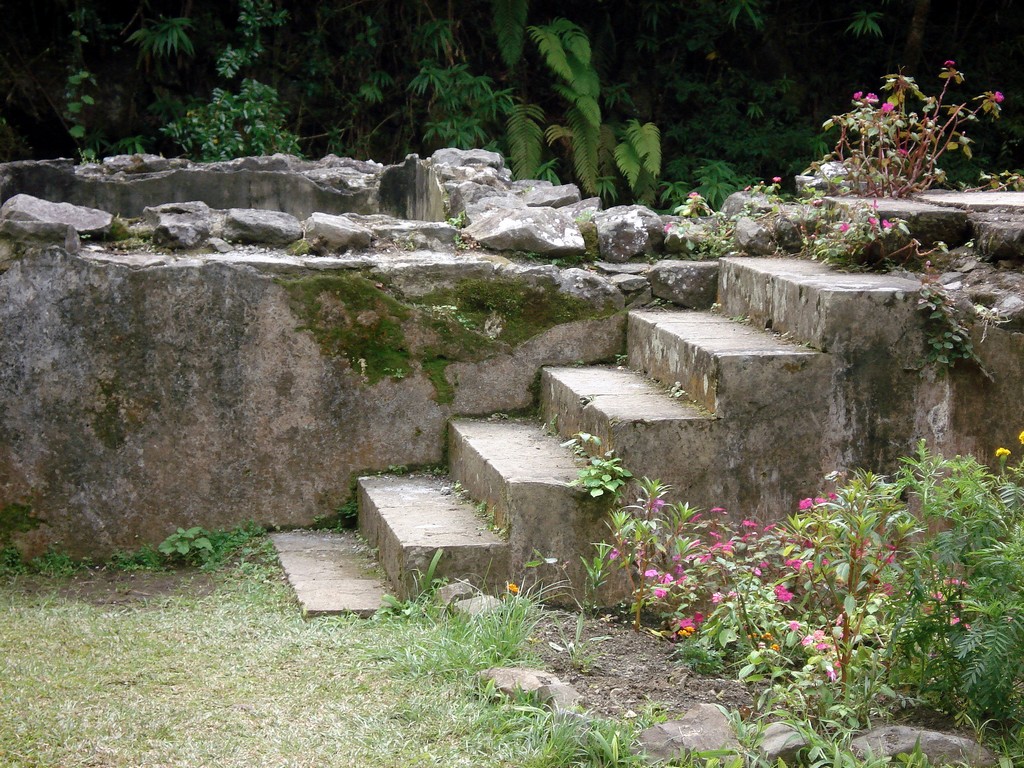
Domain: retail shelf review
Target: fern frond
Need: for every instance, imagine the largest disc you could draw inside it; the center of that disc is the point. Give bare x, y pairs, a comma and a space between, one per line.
585, 141
549, 43
525, 139
646, 139
509, 28
556, 133
628, 162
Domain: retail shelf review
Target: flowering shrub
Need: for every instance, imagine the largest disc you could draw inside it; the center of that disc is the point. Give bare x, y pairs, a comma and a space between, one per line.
861, 239
891, 145
959, 638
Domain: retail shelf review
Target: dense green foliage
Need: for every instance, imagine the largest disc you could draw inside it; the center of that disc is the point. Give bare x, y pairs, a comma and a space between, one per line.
644, 100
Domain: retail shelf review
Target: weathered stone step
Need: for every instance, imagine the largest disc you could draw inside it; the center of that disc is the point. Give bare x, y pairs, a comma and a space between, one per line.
524, 476
330, 572
727, 367
409, 518
654, 434
818, 306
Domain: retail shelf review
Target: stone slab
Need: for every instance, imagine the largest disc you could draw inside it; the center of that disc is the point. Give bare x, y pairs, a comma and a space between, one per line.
330, 572
976, 201
409, 518
726, 367
524, 476
817, 305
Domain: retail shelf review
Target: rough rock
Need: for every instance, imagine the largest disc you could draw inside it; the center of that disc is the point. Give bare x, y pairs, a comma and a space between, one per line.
479, 165
86, 221
17, 235
590, 287
477, 606
755, 237
827, 178
928, 223
556, 695
626, 231
495, 203
472, 193
685, 235
454, 591
787, 231
780, 742
338, 233
690, 284
409, 235
550, 196
585, 209
248, 225
411, 191
746, 204
423, 272
940, 748
998, 237
546, 231
179, 225
701, 729
139, 163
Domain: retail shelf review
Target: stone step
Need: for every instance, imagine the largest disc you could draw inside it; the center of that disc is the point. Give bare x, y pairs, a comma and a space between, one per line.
524, 476
726, 367
656, 435
816, 305
409, 518
331, 572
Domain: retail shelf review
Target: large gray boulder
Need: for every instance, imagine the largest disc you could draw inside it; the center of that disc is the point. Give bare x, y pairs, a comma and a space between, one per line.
690, 284
337, 233
545, 231
249, 225
701, 729
940, 748
626, 231
755, 237
179, 225
549, 196
85, 221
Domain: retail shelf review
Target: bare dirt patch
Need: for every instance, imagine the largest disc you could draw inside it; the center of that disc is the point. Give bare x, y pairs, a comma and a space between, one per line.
620, 672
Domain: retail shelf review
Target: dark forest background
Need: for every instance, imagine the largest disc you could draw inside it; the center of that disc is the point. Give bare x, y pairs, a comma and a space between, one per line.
632, 100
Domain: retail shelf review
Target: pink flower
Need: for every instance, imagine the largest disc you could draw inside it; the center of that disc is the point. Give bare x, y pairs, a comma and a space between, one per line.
874, 223
778, 179
717, 509
795, 563
749, 524
656, 504
651, 573
807, 641
902, 152
717, 597
871, 98
694, 195
667, 579
782, 594
660, 593
998, 97
733, 593
843, 227
684, 623
698, 618
949, 63
613, 555
887, 108
858, 95
831, 673
886, 224
757, 571
794, 626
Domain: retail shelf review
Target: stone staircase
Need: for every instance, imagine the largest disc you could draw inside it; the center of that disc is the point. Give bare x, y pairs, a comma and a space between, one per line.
744, 406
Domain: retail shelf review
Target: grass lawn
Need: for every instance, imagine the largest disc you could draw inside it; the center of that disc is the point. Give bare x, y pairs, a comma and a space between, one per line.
231, 675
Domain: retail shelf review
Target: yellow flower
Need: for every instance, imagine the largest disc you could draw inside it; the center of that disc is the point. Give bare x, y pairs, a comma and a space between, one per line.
1021, 438
775, 646
1002, 453
512, 587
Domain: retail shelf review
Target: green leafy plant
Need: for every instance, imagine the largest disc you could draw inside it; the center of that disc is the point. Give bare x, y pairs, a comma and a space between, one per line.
191, 546
947, 338
603, 474
164, 39
861, 239
959, 640
893, 147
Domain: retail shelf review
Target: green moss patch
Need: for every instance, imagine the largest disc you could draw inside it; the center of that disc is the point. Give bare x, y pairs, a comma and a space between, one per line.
512, 311
354, 318
16, 518
351, 317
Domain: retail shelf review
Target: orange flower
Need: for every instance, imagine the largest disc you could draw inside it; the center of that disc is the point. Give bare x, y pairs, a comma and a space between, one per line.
512, 587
